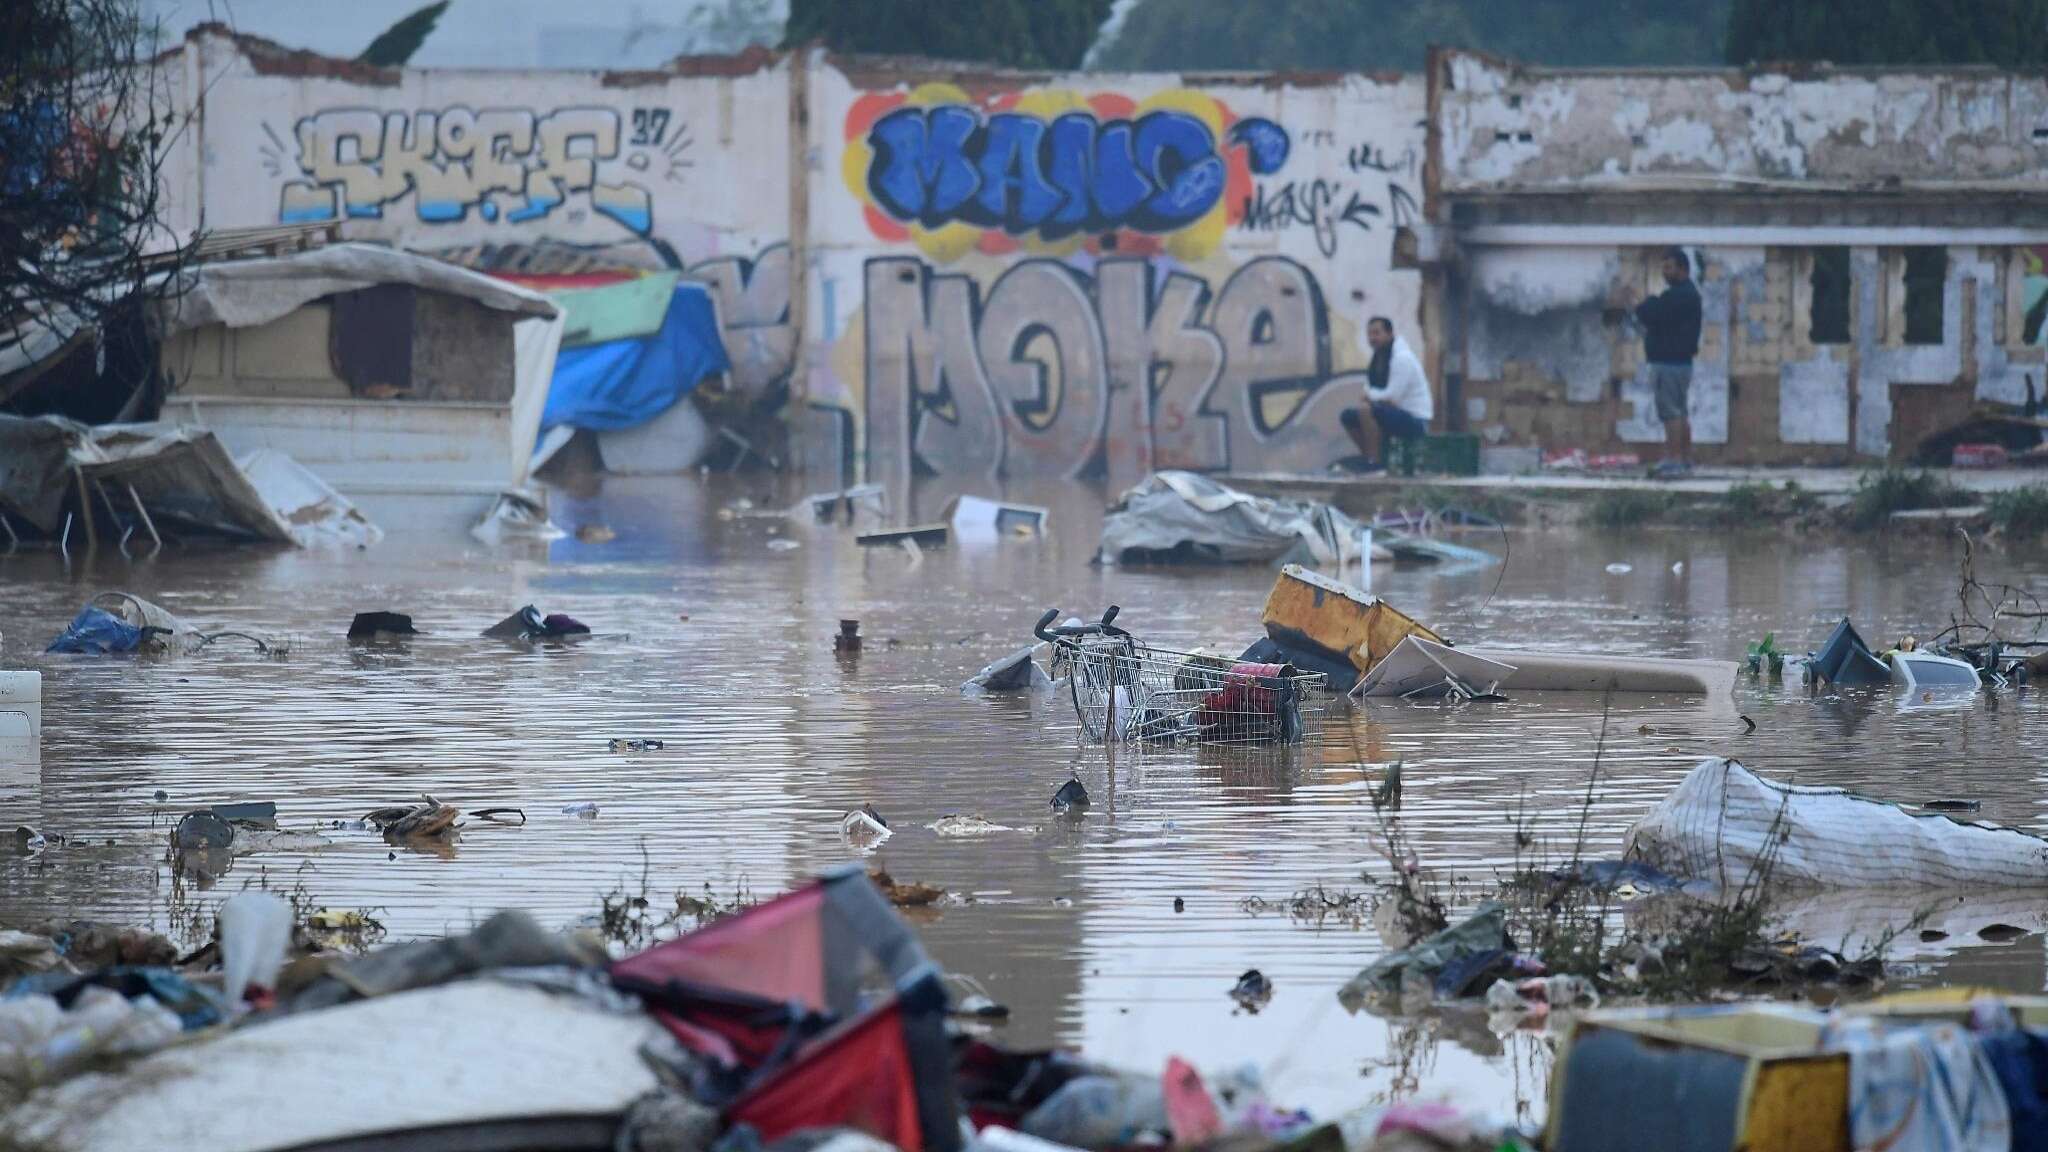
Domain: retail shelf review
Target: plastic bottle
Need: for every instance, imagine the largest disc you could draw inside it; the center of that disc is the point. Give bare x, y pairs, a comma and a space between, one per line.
255, 930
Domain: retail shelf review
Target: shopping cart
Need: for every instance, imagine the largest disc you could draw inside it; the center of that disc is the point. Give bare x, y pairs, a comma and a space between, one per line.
1127, 691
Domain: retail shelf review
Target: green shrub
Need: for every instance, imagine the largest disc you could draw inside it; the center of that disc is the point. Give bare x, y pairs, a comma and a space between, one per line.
2019, 511
1879, 494
1629, 507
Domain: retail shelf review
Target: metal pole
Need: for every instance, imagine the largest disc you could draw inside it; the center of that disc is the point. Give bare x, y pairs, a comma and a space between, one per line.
64, 542
92, 533
144, 513
13, 541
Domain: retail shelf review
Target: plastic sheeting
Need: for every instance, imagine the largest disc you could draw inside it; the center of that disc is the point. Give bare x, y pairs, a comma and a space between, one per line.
1186, 516
1727, 826
1417, 966
536, 346
245, 293
626, 383
316, 513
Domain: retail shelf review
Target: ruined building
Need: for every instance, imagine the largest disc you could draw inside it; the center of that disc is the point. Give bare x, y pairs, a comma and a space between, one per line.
932, 269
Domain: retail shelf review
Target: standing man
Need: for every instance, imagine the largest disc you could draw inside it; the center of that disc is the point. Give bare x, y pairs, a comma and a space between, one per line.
1671, 338
1396, 394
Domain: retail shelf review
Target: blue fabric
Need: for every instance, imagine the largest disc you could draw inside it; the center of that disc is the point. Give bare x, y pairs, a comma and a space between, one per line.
1399, 423
97, 632
2020, 1058
626, 383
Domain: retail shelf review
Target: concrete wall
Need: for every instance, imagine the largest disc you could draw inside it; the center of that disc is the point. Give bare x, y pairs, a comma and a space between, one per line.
999, 273
1102, 274
1509, 127
1559, 189
683, 168
976, 273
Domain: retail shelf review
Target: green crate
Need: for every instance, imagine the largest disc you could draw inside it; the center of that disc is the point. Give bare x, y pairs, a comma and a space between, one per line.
1445, 453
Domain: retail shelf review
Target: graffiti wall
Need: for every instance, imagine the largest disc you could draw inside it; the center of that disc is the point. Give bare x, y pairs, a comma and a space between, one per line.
659, 170
1100, 275
1000, 276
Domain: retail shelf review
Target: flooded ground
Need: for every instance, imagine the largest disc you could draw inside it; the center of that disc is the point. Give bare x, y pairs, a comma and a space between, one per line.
721, 646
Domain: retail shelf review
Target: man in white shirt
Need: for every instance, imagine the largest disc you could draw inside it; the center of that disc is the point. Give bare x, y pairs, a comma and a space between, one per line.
1396, 393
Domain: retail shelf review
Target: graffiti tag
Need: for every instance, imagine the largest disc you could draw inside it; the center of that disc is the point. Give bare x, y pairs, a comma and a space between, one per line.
502, 163
1322, 206
1073, 173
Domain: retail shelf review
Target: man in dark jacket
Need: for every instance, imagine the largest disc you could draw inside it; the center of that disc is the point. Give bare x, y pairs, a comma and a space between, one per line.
1671, 338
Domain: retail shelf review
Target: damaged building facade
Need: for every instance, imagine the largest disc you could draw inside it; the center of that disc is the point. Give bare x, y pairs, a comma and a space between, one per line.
1868, 244
926, 269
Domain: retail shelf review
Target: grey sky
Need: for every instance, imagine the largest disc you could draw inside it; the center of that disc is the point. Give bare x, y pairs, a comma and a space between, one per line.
472, 34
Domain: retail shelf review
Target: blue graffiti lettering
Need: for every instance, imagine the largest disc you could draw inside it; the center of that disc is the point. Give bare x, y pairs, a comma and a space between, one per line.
1019, 173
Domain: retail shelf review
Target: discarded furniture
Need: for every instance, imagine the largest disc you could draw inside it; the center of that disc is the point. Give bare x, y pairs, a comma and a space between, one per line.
1711, 1079
1727, 826
1418, 667
1577, 672
978, 519
922, 535
1332, 622
1846, 660
1914, 671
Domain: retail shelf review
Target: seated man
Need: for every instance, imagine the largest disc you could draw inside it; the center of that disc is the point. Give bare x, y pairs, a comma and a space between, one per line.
1396, 393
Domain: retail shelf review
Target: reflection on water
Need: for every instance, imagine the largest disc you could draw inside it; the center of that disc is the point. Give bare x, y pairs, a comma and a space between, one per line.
721, 647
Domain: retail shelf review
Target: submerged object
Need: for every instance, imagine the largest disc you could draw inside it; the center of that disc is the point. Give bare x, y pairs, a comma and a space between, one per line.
529, 624
1589, 672
1727, 826
1333, 627
1846, 659
1916, 670
372, 625
1422, 667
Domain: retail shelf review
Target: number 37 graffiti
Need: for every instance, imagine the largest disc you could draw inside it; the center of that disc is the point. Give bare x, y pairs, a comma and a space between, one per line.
505, 164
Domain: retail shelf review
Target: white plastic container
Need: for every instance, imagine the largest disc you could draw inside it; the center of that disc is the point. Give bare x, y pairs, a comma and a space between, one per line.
21, 710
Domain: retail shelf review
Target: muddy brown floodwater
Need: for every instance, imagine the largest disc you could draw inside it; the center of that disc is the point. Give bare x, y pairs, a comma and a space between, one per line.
770, 739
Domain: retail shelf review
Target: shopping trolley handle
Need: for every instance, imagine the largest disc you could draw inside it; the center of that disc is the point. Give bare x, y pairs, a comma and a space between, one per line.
1104, 627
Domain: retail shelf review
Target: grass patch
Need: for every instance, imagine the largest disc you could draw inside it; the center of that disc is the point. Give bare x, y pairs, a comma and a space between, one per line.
1493, 505
1753, 501
1629, 507
1879, 494
2019, 511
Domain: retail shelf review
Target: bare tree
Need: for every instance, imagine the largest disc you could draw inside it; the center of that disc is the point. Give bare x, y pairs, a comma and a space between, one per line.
86, 123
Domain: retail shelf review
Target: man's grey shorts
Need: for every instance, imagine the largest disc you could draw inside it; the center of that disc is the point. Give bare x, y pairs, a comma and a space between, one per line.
1671, 383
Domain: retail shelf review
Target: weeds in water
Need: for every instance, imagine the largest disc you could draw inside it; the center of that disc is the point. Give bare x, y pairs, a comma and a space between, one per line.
2019, 512
630, 921
1629, 507
1758, 503
1316, 905
1495, 506
1879, 494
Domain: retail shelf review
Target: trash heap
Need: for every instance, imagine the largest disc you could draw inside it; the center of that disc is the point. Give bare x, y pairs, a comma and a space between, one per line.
814, 1019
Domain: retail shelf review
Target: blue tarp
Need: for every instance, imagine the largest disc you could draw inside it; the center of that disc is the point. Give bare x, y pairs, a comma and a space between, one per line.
97, 632
626, 383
